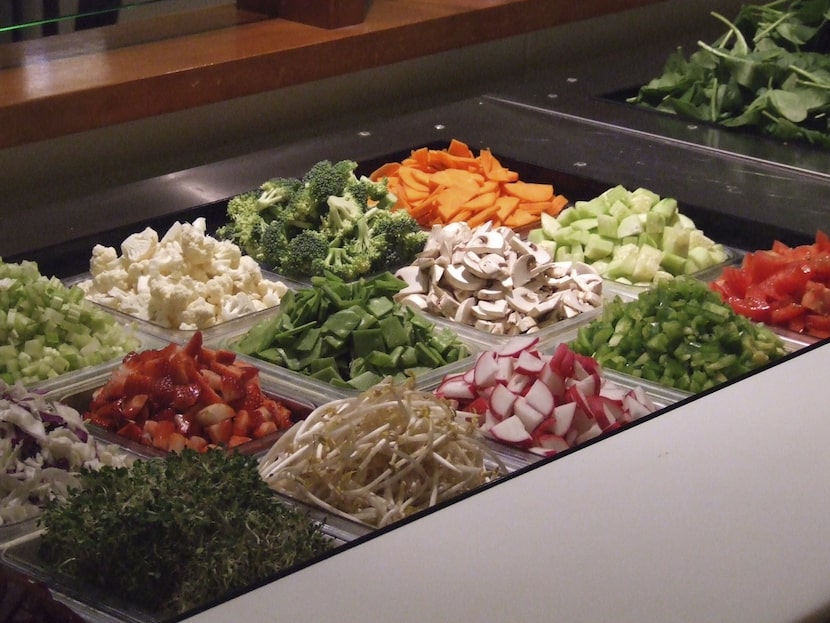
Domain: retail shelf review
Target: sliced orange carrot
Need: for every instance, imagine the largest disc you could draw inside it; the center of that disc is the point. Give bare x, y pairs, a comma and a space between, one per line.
414, 178
527, 191
458, 148
482, 215
390, 169
482, 201
457, 177
438, 186
506, 206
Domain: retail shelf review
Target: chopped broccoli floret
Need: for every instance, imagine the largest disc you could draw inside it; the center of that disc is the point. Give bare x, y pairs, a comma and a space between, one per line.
273, 242
326, 178
402, 237
343, 214
286, 221
246, 226
345, 265
277, 190
305, 254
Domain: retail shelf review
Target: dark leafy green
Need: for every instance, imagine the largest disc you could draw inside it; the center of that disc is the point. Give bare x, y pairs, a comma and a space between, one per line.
173, 534
350, 334
679, 334
769, 72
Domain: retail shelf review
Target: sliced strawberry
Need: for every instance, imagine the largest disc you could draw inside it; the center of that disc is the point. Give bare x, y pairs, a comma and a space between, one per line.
265, 428
237, 440
131, 431
185, 396
220, 433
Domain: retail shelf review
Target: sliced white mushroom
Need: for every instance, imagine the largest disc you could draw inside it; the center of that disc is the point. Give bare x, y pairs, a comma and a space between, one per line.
417, 281
486, 242
491, 310
490, 294
464, 313
419, 301
458, 277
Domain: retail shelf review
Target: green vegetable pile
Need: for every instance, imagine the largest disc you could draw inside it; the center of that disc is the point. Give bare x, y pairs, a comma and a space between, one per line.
679, 334
770, 72
47, 329
350, 334
330, 220
173, 534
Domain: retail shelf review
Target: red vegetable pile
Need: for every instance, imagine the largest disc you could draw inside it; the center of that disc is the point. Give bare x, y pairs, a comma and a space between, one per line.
545, 403
186, 396
784, 286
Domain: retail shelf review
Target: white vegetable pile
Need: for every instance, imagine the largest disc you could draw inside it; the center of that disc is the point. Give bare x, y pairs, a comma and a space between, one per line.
43, 446
185, 280
490, 278
543, 402
379, 456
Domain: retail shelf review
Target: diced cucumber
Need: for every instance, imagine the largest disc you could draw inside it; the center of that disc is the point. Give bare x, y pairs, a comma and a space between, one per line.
550, 224
598, 247
631, 225
596, 229
607, 226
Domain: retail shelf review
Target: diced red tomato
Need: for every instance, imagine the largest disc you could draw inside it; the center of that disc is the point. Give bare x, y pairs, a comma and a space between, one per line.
784, 286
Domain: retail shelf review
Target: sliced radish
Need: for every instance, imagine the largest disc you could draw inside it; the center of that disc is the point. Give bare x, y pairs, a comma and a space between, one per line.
456, 388
530, 417
592, 432
486, 368
554, 381
529, 362
505, 369
563, 417
562, 361
553, 442
540, 398
512, 431
588, 385
501, 402
214, 414
519, 383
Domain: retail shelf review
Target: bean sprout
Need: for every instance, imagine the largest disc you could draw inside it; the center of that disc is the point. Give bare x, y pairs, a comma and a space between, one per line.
380, 456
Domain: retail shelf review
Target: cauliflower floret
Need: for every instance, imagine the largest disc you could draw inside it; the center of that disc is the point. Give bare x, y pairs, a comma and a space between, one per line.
217, 288
103, 259
237, 305
173, 281
140, 246
107, 280
199, 315
197, 248
168, 261
226, 255
168, 300
247, 276
271, 290
135, 304
272, 299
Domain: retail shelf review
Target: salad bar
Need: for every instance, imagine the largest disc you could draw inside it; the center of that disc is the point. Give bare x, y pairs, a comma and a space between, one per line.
542, 333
